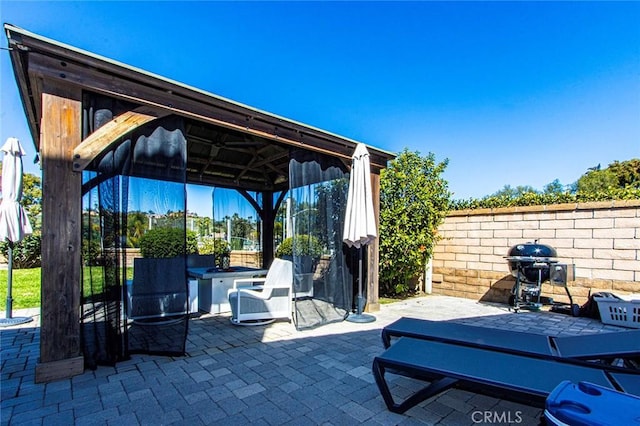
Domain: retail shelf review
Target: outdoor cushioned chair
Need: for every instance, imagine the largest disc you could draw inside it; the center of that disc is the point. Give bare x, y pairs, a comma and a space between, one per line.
605, 348
263, 304
504, 375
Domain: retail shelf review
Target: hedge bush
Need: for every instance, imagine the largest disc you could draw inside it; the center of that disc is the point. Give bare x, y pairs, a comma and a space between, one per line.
539, 199
168, 242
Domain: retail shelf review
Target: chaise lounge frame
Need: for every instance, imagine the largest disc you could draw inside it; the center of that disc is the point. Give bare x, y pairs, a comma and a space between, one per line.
518, 378
601, 347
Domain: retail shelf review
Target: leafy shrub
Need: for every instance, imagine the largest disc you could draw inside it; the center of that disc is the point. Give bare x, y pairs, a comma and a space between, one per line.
26, 253
167, 242
414, 200
304, 245
217, 246
91, 252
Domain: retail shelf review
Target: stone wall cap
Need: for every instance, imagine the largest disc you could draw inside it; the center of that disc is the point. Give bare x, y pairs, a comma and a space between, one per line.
591, 205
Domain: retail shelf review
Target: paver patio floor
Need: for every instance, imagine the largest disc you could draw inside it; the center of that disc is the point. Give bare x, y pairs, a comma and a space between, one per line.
268, 375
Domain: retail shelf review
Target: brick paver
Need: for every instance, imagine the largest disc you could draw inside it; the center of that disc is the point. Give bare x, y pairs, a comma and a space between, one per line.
269, 375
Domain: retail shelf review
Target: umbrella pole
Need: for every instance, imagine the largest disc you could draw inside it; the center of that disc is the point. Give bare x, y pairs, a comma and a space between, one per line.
9, 305
359, 316
9, 320
359, 301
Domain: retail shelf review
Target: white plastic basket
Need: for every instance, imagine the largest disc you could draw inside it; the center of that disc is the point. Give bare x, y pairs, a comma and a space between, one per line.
624, 313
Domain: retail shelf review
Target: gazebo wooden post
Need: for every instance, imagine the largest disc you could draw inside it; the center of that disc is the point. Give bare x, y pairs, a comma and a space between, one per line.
373, 258
268, 217
60, 132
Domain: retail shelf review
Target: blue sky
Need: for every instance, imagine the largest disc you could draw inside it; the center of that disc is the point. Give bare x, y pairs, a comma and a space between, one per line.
511, 93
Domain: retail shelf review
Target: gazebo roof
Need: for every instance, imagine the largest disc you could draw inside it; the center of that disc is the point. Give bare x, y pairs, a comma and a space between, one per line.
229, 144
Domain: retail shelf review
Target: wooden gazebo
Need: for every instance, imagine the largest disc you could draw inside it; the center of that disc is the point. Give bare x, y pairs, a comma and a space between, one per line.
228, 145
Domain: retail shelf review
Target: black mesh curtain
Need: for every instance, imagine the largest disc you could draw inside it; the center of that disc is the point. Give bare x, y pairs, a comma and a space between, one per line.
132, 305
237, 222
157, 294
102, 326
316, 209
103, 340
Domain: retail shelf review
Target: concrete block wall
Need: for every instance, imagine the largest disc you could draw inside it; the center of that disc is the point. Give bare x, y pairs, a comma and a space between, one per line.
602, 239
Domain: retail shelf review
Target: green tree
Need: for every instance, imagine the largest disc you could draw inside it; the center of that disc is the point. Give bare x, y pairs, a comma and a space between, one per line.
91, 244
137, 225
618, 175
205, 226
554, 187
627, 172
241, 229
595, 181
27, 253
32, 198
510, 192
414, 200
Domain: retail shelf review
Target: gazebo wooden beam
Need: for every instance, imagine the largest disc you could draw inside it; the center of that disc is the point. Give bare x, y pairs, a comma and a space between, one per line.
100, 140
179, 100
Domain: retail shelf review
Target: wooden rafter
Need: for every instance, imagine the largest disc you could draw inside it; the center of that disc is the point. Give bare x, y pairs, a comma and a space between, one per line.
107, 135
249, 165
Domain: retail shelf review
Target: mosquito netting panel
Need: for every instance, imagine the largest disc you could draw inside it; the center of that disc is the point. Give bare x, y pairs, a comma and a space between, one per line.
237, 228
313, 226
157, 293
134, 286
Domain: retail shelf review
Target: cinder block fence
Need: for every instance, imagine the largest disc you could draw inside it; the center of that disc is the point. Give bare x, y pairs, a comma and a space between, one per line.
601, 238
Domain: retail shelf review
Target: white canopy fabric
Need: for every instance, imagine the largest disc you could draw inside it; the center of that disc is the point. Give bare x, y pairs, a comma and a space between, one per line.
14, 222
360, 222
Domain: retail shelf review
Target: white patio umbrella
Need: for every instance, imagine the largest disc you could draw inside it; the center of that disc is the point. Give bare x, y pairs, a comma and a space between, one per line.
360, 222
14, 222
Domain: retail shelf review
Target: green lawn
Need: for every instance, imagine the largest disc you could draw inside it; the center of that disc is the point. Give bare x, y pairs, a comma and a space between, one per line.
25, 288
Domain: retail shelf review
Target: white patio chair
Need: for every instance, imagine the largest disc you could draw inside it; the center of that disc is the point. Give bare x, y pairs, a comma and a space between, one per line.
263, 304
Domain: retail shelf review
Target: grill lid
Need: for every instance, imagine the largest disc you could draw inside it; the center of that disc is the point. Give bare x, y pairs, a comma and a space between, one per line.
531, 262
531, 251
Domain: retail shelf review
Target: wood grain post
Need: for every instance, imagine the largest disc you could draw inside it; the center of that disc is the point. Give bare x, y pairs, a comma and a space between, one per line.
373, 258
268, 220
60, 350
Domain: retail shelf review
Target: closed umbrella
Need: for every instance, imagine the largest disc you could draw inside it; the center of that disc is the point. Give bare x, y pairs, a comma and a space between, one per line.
14, 223
360, 222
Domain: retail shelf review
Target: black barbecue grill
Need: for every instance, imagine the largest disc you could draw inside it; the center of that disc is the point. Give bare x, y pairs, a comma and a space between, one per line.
533, 264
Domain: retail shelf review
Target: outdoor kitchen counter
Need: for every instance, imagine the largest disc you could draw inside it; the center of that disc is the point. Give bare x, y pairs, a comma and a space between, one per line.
214, 283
